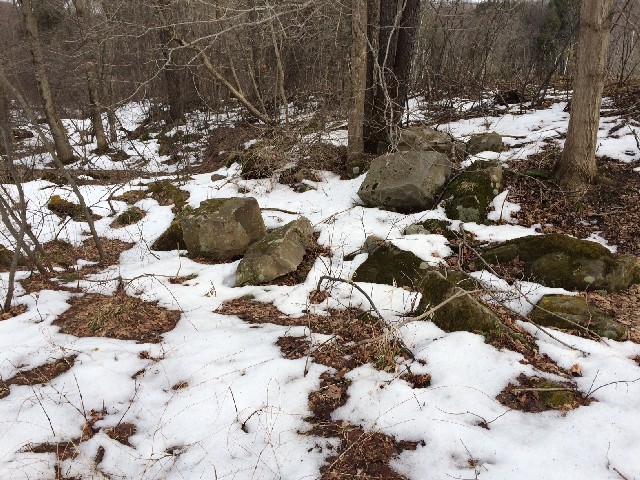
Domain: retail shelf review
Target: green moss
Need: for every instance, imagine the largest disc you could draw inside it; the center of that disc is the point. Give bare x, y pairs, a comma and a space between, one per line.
171, 239
468, 196
555, 399
128, 217
64, 208
565, 311
166, 193
464, 313
392, 266
535, 246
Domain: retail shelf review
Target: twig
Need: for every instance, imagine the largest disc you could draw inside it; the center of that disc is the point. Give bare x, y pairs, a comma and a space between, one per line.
354, 285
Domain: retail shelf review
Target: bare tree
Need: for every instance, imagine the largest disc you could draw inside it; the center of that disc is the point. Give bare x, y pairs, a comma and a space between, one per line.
392, 29
92, 76
60, 139
358, 78
576, 168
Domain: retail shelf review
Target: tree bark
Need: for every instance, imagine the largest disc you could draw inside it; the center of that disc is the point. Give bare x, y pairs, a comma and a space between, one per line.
92, 78
355, 146
392, 29
60, 139
576, 168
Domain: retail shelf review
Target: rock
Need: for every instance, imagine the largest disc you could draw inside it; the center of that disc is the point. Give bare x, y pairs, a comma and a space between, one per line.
278, 253
432, 227
485, 142
216, 177
171, 239
557, 260
471, 192
222, 228
405, 181
21, 134
508, 97
565, 311
424, 139
64, 208
464, 313
128, 217
390, 265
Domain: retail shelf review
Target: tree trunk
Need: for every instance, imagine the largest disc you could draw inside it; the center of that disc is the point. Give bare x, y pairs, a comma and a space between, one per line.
171, 76
392, 29
358, 78
60, 139
92, 78
576, 168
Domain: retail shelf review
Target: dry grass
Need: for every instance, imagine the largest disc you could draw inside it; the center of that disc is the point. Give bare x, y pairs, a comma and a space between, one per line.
118, 316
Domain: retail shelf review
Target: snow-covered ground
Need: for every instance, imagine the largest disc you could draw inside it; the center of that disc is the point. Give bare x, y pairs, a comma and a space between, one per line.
237, 376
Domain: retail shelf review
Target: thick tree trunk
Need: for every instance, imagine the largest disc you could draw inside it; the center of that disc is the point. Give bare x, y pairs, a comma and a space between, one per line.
392, 29
92, 78
355, 147
60, 139
171, 76
576, 168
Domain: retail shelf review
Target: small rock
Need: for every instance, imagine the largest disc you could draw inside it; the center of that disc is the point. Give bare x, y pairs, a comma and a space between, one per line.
278, 253
485, 142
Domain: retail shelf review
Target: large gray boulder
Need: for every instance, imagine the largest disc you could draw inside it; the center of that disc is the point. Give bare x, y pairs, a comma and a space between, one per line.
222, 228
278, 253
405, 181
557, 260
572, 312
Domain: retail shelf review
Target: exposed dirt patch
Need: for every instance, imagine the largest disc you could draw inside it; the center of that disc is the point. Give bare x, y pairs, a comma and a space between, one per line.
535, 394
118, 316
38, 375
226, 139
361, 454
131, 196
14, 312
63, 254
356, 339
610, 208
351, 329
121, 433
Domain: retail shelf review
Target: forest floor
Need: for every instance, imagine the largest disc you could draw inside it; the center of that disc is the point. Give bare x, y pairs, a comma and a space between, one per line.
156, 366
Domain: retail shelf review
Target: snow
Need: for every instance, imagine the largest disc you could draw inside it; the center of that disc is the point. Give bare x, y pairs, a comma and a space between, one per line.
238, 378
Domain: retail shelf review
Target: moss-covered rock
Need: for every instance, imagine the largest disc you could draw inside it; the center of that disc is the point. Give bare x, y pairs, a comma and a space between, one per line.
64, 208
432, 226
171, 238
464, 313
557, 260
470, 193
390, 265
131, 196
569, 312
128, 217
485, 142
222, 228
552, 397
166, 193
278, 253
